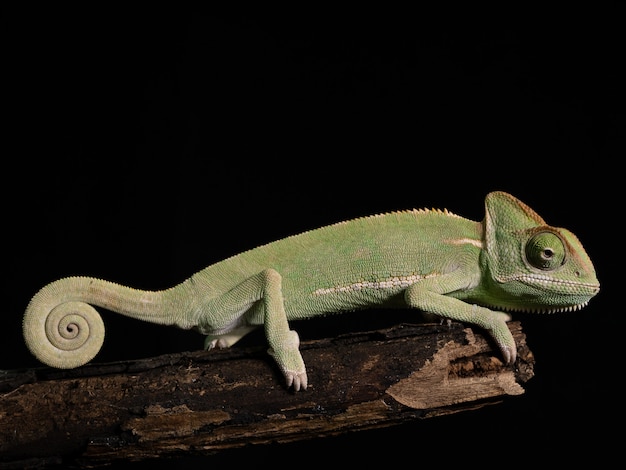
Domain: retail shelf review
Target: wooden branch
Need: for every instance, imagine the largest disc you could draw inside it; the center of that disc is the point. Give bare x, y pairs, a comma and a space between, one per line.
208, 401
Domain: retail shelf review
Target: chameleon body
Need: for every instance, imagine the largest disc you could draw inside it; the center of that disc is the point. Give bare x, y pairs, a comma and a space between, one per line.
431, 260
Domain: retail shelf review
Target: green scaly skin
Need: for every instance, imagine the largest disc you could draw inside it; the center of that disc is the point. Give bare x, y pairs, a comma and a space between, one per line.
430, 260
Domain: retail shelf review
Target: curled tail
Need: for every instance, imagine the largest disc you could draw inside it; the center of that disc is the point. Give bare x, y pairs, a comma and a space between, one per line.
63, 330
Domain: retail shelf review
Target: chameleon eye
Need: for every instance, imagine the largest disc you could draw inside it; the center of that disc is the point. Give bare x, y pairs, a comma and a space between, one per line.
545, 250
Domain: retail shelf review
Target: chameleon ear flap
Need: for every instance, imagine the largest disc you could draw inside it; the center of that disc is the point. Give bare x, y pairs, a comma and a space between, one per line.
506, 213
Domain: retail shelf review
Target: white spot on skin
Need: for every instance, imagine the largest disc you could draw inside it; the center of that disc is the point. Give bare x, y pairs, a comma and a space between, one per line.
393, 282
466, 241
147, 298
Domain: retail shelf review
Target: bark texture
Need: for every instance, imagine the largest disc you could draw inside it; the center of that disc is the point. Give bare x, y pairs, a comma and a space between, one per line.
207, 401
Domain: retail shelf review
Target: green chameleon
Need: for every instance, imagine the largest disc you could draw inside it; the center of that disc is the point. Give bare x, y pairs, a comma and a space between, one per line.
431, 260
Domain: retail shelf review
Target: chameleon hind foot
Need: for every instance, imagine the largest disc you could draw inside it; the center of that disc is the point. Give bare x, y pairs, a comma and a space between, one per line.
290, 362
295, 377
226, 340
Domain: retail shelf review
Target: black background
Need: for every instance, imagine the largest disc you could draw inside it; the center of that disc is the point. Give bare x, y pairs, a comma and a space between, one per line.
148, 147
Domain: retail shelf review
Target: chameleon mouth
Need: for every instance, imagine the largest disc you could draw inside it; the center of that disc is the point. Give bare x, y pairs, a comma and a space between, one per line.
540, 280
563, 295
565, 288
548, 310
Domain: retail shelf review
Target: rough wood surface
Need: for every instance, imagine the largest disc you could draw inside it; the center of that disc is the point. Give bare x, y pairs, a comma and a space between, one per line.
204, 402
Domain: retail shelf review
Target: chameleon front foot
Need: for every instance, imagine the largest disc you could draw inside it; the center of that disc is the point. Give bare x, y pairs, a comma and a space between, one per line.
509, 353
504, 339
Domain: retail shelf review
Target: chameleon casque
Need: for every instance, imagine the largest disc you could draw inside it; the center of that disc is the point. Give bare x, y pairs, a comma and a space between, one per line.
431, 260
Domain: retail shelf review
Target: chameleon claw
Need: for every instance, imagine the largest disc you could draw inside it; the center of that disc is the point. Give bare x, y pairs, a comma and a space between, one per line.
216, 343
298, 381
509, 353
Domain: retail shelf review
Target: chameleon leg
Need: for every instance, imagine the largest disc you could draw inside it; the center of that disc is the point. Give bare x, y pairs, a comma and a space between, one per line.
238, 312
448, 307
495, 323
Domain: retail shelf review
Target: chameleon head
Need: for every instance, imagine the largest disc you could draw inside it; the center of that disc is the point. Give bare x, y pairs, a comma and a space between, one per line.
533, 266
